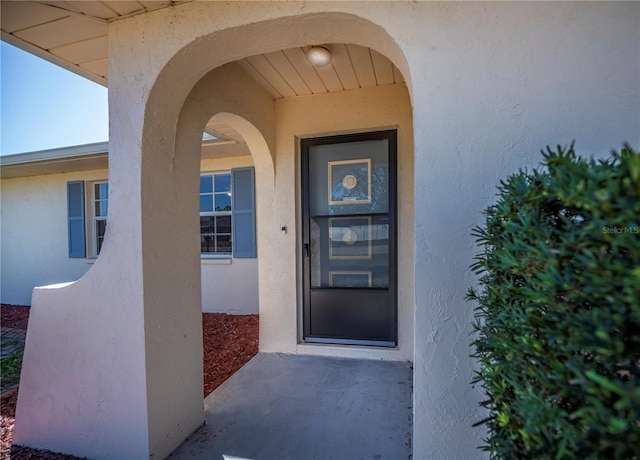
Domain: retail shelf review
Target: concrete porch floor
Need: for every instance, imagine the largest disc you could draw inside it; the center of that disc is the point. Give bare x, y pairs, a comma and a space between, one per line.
281, 406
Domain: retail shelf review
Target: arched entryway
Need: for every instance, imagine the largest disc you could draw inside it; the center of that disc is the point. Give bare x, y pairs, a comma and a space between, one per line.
147, 279
281, 124
280, 330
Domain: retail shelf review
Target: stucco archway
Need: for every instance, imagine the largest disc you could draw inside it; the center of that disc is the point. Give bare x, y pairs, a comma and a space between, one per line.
235, 104
196, 59
177, 92
468, 63
145, 288
231, 96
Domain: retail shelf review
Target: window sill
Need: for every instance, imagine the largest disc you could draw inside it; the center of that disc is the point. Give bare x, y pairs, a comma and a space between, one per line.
203, 260
216, 260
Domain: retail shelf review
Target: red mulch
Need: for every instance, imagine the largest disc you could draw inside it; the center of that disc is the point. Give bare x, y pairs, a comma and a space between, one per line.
229, 341
14, 316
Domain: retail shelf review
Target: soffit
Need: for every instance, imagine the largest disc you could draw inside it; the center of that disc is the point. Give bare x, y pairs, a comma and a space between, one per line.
73, 34
287, 73
93, 156
222, 130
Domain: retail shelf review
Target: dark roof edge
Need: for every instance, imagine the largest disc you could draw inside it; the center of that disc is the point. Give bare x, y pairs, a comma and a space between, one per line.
61, 153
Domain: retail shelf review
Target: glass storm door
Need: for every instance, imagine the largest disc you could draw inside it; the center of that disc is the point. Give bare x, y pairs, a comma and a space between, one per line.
349, 239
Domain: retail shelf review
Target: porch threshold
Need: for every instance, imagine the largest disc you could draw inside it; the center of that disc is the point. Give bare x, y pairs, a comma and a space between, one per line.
284, 406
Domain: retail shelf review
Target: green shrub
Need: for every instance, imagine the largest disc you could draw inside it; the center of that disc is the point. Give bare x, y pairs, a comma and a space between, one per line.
11, 362
558, 313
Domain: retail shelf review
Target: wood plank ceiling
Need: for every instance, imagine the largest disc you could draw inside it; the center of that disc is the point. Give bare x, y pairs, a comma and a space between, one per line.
74, 35
287, 73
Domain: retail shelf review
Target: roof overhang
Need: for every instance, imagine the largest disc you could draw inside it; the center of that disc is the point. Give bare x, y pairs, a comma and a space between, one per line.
55, 161
71, 34
74, 35
92, 156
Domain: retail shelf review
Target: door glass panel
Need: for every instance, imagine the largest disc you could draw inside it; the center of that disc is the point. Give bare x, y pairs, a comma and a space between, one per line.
349, 252
349, 223
349, 178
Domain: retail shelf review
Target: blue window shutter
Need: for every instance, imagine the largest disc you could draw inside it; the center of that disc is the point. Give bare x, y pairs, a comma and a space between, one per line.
75, 216
243, 212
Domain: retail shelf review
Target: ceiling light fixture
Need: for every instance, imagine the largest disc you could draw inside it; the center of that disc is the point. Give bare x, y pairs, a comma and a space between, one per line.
319, 56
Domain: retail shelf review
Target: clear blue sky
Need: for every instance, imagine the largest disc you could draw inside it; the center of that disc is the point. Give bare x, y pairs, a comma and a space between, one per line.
44, 106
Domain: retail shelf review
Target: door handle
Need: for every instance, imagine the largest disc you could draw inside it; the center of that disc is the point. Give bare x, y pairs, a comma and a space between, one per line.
305, 250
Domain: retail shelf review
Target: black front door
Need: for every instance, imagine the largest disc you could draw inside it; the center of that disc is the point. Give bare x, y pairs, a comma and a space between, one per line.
349, 239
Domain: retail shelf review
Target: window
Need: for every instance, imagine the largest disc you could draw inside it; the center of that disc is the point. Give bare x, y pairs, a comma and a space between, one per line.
97, 203
215, 214
100, 208
227, 215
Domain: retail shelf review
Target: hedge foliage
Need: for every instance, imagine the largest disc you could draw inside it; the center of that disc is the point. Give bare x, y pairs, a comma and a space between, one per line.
558, 310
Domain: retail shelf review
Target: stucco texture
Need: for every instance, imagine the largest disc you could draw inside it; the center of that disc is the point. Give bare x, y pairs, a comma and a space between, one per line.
488, 85
35, 250
34, 234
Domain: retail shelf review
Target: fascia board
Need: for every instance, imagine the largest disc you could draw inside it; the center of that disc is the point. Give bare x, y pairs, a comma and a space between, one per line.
63, 153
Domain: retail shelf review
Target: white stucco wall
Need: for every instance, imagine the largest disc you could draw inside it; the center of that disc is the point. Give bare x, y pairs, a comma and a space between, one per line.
34, 234
493, 84
229, 285
490, 85
35, 252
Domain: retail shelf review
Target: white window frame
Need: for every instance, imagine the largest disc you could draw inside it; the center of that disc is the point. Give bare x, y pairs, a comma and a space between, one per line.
95, 218
214, 213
